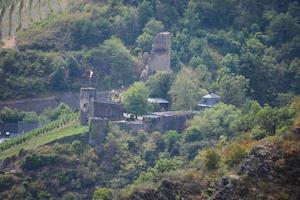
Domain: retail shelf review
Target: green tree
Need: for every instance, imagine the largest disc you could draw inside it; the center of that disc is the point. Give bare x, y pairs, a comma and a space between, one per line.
160, 84
144, 42
191, 18
212, 123
186, 89
232, 88
58, 79
267, 119
294, 75
103, 194
282, 28
9, 115
211, 159
113, 63
135, 99
145, 12
172, 139
151, 29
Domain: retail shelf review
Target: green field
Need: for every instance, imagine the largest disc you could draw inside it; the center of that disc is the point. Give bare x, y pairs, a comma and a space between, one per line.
35, 142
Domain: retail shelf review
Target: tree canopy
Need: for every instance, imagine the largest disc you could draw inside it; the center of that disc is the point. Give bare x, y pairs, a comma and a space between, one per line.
135, 99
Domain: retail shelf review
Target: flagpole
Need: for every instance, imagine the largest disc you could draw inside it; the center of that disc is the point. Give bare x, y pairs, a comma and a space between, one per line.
90, 78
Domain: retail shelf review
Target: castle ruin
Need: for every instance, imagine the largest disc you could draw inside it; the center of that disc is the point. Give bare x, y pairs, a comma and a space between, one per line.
100, 114
160, 56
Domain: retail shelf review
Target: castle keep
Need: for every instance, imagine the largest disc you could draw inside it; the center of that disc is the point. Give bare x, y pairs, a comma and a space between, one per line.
159, 58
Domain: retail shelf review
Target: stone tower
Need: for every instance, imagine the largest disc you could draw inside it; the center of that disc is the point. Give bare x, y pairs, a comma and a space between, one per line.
87, 97
160, 57
97, 130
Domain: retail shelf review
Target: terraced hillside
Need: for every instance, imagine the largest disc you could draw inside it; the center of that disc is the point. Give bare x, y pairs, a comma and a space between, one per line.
18, 14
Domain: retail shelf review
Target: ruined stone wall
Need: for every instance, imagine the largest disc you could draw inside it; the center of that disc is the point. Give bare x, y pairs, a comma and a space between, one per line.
17, 128
164, 123
160, 57
105, 109
24, 127
12, 128
38, 105
97, 130
130, 127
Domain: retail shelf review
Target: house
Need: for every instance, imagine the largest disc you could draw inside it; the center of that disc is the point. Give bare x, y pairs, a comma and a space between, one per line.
209, 100
161, 104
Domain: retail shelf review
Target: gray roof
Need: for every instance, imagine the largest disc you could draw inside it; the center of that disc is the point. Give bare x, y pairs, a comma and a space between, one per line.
157, 100
211, 96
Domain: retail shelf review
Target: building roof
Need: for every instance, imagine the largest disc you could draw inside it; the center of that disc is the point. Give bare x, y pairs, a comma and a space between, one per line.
158, 100
205, 105
211, 96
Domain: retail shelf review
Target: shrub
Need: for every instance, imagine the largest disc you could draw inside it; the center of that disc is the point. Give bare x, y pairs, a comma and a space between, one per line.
212, 123
33, 162
211, 159
78, 147
103, 194
282, 196
70, 196
236, 153
150, 156
258, 133
161, 166
6, 182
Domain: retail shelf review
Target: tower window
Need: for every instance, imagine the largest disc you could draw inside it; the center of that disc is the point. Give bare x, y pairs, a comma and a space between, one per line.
108, 111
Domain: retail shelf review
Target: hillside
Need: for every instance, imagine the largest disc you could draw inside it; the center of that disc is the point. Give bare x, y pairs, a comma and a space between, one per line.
20, 14
245, 54
192, 165
72, 129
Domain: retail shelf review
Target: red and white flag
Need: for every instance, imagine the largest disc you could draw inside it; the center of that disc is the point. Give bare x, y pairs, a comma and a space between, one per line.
91, 74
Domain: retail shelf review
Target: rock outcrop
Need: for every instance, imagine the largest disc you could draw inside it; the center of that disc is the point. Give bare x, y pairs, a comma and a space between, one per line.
268, 172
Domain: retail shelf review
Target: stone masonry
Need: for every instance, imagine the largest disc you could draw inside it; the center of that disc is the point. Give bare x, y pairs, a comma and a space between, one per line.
160, 56
87, 97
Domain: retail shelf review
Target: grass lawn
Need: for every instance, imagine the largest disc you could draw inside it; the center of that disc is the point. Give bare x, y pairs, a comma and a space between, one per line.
35, 142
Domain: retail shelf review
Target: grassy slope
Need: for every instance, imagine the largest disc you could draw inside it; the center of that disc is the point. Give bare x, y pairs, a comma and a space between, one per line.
35, 142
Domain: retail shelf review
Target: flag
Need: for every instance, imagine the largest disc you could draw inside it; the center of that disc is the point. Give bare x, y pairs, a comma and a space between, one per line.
91, 73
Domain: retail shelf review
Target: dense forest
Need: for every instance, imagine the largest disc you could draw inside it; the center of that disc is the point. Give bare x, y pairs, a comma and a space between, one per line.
247, 147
